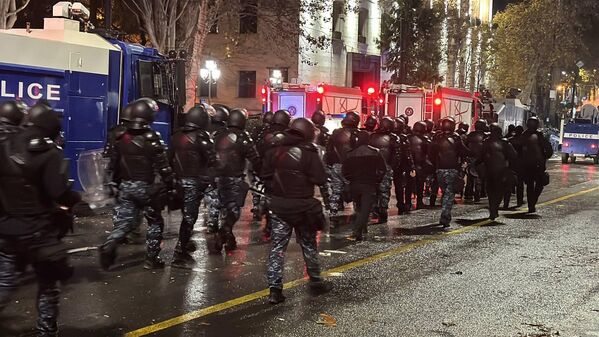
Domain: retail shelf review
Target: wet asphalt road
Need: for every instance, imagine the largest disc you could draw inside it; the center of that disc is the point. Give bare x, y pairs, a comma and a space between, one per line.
521, 276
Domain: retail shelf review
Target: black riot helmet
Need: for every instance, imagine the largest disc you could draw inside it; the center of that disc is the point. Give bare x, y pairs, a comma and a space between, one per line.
125, 114
448, 125
351, 120
430, 125
419, 128
480, 125
143, 112
532, 123
12, 112
267, 117
387, 124
463, 128
46, 119
151, 103
282, 117
221, 113
238, 118
496, 131
318, 118
197, 117
359, 138
370, 123
519, 130
511, 128
304, 127
405, 119
400, 124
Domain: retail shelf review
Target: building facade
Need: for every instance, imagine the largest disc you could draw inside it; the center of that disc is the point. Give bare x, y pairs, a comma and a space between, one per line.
333, 43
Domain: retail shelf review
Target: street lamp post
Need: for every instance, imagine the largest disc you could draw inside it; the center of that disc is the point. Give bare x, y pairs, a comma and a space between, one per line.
276, 82
210, 74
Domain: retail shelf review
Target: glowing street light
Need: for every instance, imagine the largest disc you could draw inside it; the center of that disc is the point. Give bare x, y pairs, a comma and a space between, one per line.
210, 75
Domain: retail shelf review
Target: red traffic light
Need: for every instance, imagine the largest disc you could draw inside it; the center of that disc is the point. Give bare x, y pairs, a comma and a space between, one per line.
438, 101
320, 89
371, 91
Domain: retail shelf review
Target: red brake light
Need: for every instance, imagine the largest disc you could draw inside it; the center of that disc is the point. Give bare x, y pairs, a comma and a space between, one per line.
381, 101
438, 101
320, 89
371, 91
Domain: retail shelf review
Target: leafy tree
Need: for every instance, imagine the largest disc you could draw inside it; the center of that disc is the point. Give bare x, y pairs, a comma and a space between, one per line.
535, 37
410, 38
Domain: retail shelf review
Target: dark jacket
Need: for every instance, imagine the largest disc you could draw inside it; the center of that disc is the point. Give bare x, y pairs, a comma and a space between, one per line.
293, 168
364, 165
447, 151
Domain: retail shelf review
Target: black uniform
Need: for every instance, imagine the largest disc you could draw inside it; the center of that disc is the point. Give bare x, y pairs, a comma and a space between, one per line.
338, 147
364, 168
33, 182
139, 154
192, 155
497, 154
419, 145
291, 171
388, 143
447, 152
517, 167
233, 147
534, 152
474, 141
402, 173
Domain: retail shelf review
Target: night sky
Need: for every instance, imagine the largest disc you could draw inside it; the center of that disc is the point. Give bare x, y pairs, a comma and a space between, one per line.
499, 5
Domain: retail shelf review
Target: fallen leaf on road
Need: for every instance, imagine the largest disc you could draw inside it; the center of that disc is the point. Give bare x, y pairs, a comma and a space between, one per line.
448, 323
327, 320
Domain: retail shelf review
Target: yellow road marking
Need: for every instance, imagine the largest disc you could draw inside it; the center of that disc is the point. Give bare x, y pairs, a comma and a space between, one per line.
340, 269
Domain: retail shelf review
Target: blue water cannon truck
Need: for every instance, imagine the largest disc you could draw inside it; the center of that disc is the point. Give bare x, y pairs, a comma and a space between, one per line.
86, 77
580, 136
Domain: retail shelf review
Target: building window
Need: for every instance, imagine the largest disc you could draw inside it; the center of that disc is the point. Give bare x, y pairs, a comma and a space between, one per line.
337, 15
362, 25
203, 86
247, 84
284, 73
248, 17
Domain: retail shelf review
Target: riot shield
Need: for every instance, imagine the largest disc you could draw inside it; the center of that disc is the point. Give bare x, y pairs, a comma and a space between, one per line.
92, 172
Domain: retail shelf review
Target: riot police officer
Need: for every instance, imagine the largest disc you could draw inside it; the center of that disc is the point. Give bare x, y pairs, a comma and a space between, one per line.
322, 132
192, 155
218, 122
419, 145
257, 136
364, 168
474, 141
33, 182
534, 152
405, 167
387, 143
292, 171
517, 167
233, 147
280, 122
138, 154
370, 124
12, 114
497, 154
339, 145
446, 152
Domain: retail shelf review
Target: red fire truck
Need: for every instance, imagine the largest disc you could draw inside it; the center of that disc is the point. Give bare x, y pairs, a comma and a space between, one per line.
303, 100
420, 103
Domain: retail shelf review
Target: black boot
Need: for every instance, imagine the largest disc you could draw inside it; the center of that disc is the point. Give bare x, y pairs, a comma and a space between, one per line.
383, 216
276, 296
108, 254
153, 262
182, 258
319, 286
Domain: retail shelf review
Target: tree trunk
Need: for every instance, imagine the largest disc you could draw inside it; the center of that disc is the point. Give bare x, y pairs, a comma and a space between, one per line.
195, 56
9, 11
